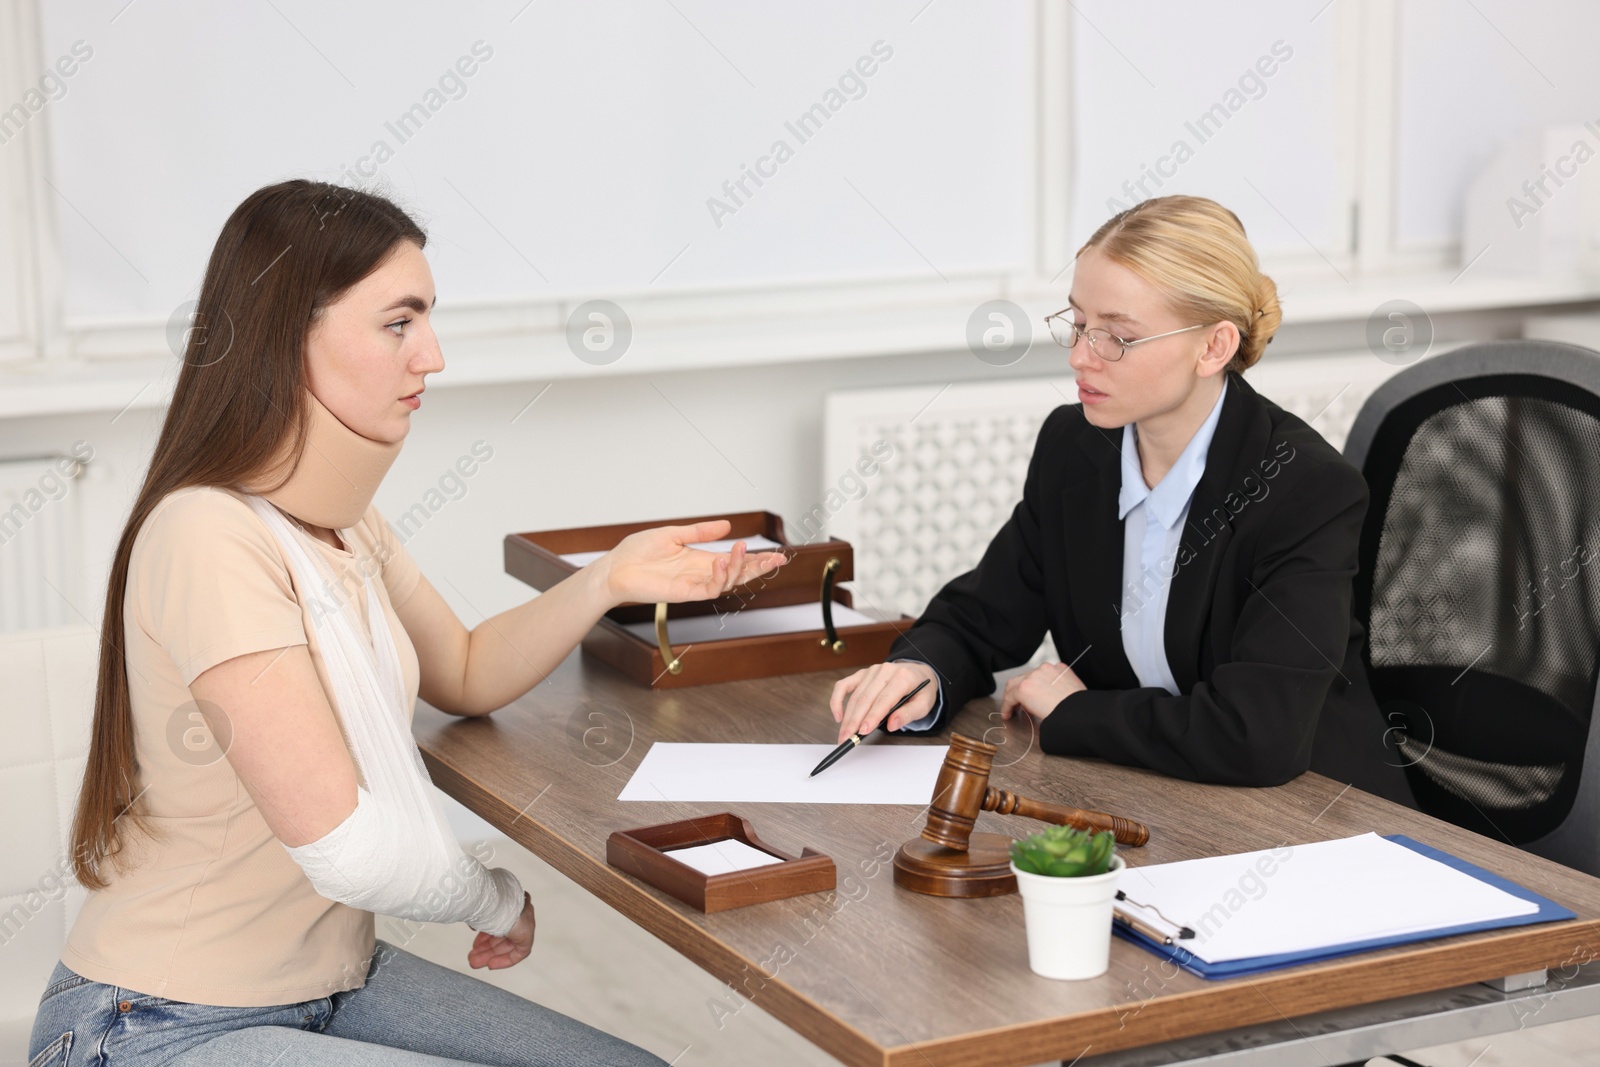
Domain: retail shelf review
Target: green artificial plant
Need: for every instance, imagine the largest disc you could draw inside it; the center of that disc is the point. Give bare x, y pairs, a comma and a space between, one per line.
1065, 852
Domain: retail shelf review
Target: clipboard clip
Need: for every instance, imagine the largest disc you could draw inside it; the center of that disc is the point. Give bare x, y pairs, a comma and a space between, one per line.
1172, 933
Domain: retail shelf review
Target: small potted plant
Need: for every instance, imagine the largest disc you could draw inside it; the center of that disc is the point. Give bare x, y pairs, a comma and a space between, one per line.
1068, 879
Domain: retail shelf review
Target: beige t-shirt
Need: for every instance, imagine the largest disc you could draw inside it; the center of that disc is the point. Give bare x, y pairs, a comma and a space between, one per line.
212, 910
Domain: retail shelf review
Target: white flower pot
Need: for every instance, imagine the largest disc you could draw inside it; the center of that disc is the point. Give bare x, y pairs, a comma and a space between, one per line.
1068, 921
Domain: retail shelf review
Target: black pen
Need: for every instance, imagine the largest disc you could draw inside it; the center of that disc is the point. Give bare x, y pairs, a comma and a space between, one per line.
855, 739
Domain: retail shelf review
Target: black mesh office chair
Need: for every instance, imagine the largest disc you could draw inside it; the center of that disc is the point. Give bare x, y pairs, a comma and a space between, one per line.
1480, 588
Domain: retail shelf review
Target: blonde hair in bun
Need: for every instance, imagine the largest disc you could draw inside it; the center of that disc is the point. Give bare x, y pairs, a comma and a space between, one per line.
1195, 251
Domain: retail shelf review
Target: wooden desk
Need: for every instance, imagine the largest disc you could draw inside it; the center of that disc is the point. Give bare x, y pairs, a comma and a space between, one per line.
877, 975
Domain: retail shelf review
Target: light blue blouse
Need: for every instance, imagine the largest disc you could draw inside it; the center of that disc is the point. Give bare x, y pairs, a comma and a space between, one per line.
1152, 527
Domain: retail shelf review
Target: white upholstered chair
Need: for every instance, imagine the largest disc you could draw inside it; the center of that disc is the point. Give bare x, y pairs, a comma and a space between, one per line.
47, 680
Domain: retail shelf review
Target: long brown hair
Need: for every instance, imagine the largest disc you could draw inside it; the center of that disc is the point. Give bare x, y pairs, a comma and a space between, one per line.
284, 254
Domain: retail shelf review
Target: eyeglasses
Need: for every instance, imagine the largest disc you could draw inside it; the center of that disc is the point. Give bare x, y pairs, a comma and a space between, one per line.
1105, 344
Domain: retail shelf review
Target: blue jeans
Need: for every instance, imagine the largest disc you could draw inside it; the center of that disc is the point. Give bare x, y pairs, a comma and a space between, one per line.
410, 1012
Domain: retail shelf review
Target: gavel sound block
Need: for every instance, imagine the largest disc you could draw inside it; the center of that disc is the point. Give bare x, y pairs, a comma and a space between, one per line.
949, 860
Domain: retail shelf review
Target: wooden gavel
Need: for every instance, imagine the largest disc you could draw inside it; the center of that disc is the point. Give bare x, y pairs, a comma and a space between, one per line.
963, 790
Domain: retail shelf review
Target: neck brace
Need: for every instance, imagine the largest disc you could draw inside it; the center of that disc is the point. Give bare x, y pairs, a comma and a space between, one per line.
338, 474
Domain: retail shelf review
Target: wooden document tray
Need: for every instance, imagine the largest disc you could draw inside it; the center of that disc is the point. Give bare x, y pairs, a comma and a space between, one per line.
645, 854
808, 577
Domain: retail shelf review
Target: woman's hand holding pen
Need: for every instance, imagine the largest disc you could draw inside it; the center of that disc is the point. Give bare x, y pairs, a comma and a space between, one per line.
1040, 690
860, 702
658, 565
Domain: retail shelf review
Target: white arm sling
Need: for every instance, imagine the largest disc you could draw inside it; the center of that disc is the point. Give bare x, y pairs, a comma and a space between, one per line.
395, 854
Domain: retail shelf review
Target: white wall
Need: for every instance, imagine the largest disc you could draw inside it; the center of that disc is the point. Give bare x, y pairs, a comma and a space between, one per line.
563, 148
1472, 77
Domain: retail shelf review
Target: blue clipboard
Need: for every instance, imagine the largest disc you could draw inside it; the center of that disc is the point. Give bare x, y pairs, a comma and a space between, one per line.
1549, 911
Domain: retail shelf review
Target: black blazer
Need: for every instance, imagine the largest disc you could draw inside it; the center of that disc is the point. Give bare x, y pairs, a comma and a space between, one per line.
1259, 632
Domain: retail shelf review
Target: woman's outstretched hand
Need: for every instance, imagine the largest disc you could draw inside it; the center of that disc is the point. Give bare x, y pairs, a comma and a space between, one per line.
657, 565
511, 948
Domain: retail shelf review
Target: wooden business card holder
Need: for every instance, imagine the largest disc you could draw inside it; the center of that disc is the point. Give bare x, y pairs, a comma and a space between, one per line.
646, 854
811, 574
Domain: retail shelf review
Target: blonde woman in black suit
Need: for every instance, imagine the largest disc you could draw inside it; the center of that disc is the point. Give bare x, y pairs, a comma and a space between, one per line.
1187, 543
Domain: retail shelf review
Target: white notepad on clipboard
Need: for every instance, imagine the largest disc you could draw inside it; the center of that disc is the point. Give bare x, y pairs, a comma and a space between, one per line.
1303, 898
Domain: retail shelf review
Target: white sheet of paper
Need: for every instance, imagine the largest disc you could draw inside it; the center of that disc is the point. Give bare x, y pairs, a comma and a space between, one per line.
722, 857
750, 622
758, 543
1316, 895
874, 773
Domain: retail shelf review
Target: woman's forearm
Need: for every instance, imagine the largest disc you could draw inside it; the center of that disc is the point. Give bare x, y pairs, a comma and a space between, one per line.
512, 652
